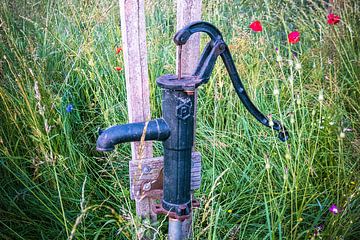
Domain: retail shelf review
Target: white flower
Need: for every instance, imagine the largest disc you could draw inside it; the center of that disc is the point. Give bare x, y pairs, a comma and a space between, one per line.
271, 123
278, 58
91, 63
276, 91
342, 135
291, 79
321, 96
267, 165
297, 66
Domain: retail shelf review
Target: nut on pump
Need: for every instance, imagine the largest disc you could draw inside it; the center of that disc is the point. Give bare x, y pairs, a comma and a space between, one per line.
176, 126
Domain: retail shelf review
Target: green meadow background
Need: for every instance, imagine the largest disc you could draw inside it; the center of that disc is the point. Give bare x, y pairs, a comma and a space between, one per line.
54, 185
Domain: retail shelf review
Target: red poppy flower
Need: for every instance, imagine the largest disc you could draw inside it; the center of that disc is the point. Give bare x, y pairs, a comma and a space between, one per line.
118, 50
256, 26
333, 19
118, 68
294, 37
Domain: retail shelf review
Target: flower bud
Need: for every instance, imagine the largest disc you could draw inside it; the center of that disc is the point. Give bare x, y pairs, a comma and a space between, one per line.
276, 91
342, 135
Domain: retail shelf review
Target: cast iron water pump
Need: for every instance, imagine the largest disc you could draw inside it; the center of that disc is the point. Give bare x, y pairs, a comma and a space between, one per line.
176, 127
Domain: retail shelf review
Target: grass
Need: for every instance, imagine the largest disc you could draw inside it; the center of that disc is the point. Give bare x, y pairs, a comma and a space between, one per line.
54, 185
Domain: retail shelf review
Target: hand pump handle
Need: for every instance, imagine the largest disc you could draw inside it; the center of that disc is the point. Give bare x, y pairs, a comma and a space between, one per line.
213, 49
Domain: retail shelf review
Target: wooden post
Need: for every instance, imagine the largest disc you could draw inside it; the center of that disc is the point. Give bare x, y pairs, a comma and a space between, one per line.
137, 81
187, 12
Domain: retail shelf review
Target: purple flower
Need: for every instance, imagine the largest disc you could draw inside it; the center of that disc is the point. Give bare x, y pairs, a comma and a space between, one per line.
277, 49
69, 108
334, 209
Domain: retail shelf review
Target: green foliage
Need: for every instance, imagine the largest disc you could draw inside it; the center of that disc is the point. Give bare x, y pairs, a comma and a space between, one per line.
54, 185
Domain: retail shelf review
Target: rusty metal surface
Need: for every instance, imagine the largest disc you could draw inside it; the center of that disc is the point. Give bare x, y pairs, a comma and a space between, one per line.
158, 209
146, 176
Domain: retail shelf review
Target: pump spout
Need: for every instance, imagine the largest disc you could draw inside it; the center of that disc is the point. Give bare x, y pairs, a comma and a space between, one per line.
156, 129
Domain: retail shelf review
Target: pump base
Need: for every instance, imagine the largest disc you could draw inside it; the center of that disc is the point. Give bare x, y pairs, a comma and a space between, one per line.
158, 209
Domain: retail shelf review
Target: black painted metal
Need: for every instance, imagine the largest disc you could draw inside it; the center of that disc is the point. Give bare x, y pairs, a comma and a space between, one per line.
156, 129
176, 127
213, 49
178, 112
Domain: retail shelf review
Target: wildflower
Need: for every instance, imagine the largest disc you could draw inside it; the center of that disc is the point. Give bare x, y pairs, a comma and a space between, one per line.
294, 37
276, 91
230, 211
291, 63
297, 66
342, 135
334, 209
333, 19
321, 96
118, 68
271, 123
69, 108
118, 50
256, 26
278, 58
91, 63
267, 165
291, 79
276, 49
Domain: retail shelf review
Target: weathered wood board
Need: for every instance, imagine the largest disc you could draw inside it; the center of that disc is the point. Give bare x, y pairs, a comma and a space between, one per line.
146, 176
133, 31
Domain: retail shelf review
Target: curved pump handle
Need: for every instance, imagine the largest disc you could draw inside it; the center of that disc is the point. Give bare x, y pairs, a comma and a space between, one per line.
217, 47
184, 34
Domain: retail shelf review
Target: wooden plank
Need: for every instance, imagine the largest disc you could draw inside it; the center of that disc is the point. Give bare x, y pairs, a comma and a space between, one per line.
132, 16
187, 12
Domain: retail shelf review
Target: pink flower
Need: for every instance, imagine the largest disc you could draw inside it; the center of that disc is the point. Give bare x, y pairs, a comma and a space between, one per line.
256, 26
334, 209
333, 19
294, 37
